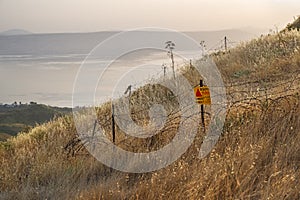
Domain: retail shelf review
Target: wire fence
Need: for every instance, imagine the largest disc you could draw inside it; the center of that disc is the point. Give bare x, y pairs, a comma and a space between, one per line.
243, 95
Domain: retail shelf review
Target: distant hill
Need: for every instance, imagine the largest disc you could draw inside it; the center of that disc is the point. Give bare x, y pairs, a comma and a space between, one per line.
83, 43
15, 117
15, 32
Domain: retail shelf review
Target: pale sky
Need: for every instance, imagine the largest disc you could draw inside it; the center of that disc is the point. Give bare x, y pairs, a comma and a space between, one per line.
183, 15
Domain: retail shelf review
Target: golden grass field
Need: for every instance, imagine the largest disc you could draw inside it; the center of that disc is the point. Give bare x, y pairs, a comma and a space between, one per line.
256, 157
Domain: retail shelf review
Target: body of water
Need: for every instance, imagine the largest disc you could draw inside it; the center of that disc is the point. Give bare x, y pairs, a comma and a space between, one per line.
43, 67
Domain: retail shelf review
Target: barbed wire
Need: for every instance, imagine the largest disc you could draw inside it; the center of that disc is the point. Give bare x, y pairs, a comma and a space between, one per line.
240, 94
250, 99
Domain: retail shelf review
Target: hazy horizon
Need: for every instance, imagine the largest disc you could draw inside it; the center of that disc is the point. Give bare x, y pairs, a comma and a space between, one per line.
253, 29
67, 16
53, 60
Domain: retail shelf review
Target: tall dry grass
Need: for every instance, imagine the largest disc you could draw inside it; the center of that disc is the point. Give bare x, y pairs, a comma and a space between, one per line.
257, 156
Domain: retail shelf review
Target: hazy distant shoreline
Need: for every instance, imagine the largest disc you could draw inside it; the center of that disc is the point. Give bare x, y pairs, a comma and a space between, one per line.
43, 67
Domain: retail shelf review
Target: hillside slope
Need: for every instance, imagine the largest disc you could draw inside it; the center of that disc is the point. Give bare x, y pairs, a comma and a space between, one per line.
15, 118
257, 156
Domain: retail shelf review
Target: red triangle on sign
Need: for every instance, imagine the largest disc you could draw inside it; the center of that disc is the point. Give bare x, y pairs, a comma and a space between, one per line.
198, 93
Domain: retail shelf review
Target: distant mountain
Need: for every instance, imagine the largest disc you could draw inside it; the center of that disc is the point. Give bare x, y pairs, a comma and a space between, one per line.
83, 43
15, 32
51, 43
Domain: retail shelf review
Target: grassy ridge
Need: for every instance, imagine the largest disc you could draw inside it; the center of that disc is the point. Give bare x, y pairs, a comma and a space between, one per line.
257, 156
16, 118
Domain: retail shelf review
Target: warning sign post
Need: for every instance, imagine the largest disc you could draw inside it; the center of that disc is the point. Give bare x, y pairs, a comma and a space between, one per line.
202, 95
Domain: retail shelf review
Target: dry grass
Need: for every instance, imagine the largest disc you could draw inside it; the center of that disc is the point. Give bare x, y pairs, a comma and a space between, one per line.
257, 156
267, 58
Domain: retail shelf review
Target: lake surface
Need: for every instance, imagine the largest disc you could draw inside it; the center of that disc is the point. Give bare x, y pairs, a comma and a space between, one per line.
43, 67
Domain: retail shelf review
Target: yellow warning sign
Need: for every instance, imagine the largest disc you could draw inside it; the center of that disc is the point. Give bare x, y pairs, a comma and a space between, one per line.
202, 95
